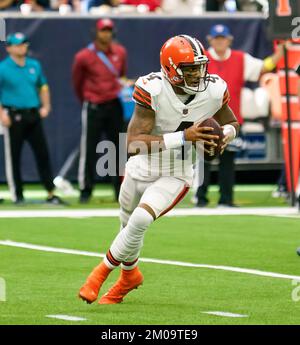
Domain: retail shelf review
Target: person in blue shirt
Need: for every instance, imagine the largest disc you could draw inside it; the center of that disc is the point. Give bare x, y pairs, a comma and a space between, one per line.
24, 102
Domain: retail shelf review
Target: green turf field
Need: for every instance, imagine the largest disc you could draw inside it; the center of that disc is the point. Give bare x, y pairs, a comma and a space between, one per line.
41, 283
245, 195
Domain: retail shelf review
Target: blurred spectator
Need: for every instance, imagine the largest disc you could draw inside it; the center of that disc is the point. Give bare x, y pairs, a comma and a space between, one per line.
281, 191
50, 5
214, 5
9, 4
152, 5
105, 3
39, 5
96, 73
25, 101
219, 5
235, 67
235, 5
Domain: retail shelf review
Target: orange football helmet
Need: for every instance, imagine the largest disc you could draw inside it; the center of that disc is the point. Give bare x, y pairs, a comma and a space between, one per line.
180, 51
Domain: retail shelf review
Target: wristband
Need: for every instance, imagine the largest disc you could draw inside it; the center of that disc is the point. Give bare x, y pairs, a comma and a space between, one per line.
230, 131
174, 140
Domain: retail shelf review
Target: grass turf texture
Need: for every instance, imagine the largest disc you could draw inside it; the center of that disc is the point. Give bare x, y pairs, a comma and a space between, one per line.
40, 283
247, 196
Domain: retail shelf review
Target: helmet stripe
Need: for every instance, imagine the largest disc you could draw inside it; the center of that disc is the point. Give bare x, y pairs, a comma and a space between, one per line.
195, 44
200, 47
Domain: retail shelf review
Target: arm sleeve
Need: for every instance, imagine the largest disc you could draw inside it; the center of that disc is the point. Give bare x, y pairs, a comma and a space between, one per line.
124, 67
252, 67
77, 77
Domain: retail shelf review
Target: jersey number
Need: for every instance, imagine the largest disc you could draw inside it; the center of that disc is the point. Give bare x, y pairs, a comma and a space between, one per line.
184, 154
153, 76
283, 8
212, 79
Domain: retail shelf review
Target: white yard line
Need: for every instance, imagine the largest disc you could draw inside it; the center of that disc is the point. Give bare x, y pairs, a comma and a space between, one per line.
85, 213
150, 260
66, 317
224, 314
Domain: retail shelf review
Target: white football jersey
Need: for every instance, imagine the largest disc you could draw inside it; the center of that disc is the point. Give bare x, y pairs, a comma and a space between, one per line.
153, 91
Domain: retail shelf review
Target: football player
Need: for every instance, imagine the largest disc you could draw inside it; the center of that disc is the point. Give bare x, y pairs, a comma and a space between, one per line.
169, 107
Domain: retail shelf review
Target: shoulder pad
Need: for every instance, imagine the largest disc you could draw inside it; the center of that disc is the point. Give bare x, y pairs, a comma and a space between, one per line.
147, 87
216, 86
151, 83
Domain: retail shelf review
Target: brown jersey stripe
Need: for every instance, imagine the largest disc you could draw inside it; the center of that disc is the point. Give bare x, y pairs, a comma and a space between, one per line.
143, 92
141, 101
142, 96
143, 105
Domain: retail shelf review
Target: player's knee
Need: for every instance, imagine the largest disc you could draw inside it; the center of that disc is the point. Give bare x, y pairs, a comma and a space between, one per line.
140, 219
149, 209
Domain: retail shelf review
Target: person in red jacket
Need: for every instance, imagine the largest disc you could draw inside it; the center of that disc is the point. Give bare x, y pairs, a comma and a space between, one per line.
235, 67
96, 74
152, 4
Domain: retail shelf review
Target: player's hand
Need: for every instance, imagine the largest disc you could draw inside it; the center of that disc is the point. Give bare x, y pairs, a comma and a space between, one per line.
226, 140
5, 119
229, 135
197, 133
44, 112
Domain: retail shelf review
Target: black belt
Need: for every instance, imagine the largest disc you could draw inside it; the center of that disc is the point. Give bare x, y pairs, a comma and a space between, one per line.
99, 105
21, 111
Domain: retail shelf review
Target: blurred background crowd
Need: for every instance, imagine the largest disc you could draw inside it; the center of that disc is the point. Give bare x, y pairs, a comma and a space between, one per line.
127, 6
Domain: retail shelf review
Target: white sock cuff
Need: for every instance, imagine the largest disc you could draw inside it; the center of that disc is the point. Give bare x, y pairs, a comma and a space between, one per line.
131, 267
108, 264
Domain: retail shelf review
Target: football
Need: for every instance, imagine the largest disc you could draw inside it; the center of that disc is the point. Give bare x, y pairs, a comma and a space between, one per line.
214, 151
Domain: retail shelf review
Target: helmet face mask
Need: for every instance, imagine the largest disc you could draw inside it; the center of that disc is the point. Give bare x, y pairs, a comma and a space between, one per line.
194, 77
184, 63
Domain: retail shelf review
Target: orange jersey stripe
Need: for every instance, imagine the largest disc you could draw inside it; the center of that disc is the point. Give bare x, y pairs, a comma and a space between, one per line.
226, 97
143, 92
141, 101
136, 92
